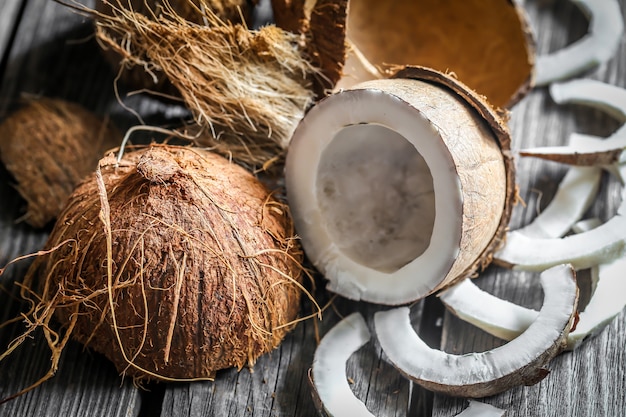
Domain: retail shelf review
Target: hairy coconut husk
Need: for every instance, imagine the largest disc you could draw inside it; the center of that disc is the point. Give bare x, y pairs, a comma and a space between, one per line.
486, 43
137, 77
50, 145
246, 89
174, 264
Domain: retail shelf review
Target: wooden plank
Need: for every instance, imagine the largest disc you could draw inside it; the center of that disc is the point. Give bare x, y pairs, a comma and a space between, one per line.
581, 383
52, 55
9, 12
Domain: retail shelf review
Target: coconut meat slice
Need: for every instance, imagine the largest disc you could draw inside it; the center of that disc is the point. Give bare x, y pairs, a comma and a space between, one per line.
521, 361
602, 244
478, 409
575, 194
599, 45
498, 317
331, 390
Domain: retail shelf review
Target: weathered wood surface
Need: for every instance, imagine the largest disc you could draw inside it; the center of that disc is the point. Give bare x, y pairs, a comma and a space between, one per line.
47, 50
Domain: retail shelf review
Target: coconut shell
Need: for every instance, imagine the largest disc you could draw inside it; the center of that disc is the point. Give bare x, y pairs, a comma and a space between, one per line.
204, 272
497, 122
50, 145
486, 43
136, 77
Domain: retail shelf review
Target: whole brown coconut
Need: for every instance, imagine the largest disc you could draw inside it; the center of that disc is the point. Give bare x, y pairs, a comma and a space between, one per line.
174, 264
50, 145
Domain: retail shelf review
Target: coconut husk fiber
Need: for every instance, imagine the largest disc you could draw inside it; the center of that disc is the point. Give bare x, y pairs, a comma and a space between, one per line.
136, 77
49, 145
247, 89
174, 263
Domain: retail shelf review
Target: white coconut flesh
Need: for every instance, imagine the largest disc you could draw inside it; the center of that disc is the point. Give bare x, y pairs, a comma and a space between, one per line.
606, 27
507, 320
520, 361
376, 196
575, 194
478, 409
329, 367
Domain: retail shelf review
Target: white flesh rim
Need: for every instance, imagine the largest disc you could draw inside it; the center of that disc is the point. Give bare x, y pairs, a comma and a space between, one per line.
575, 194
603, 96
329, 367
507, 320
361, 174
490, 372
599, 45
478, 409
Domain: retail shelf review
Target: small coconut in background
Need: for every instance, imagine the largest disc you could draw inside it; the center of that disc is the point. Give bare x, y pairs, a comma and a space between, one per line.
49, 145
174, 263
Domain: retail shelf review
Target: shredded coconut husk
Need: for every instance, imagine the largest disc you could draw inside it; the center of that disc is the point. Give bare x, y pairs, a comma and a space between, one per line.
137, 77
174, 263
247, 89
50, 145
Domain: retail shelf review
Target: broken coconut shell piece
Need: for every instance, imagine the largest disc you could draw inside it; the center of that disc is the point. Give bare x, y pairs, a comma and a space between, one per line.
392, 197
478, 409
606, 27
487, 44
331, 391
49, 145
522, 361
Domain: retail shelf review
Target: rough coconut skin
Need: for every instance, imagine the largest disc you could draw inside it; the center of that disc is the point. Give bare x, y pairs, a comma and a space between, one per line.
50, 145
205, 274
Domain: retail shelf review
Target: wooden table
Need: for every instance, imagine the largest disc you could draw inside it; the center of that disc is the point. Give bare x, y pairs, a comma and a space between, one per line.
48, 50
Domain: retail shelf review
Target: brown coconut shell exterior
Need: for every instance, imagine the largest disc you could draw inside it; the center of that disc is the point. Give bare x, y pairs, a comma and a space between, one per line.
469, 261
136, 77
204, 271
50, 145
323, 25
488, 44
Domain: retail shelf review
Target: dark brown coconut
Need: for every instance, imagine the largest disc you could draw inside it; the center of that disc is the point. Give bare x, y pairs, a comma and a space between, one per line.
137, 77
174, 265
50, 145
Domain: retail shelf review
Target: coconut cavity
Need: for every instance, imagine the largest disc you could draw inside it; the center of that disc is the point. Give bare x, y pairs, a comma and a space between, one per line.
376, 195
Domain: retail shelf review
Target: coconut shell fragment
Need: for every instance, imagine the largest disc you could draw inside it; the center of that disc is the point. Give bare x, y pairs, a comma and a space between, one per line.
486, 43
174, 264
50, 145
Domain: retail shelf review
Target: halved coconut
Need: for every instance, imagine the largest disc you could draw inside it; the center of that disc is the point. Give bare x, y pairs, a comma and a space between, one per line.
331, 391
394, 197
522, 361
606, 27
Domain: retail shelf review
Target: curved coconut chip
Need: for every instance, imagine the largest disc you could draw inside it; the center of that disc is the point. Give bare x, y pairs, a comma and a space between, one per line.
521, 361
575, 194
478, 409
331, 391
507, 320
494, 58
583, 149
393, 139
599, 45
